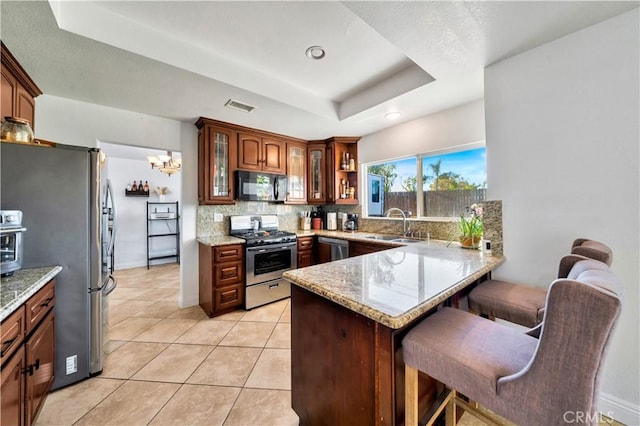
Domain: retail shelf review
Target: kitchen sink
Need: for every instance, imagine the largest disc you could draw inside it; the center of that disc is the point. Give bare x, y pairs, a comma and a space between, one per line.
404, 240
392, 238
382, 237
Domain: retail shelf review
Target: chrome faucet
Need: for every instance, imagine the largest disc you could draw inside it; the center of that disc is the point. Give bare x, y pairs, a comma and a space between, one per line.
405, 231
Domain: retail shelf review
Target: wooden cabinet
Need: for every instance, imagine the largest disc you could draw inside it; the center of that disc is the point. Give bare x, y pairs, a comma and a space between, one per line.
330, 181
224, 148
261, 154
28, 354
13, 333
305, 252
221, 278
17, 90
342, 166
40, 353
316, 157
358, 248
12, 390
296, 173
216, 162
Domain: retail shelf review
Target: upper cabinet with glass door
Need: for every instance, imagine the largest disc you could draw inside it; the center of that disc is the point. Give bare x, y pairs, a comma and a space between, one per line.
316, 158
217, 148
296, 173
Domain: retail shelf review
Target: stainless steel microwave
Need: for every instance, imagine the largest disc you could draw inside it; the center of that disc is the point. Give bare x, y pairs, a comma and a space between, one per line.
257, 186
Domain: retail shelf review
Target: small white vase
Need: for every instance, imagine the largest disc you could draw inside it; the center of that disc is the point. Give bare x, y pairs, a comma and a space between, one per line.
162, 198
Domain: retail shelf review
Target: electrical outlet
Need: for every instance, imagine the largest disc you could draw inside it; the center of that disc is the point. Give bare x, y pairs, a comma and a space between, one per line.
72, 364
217, 217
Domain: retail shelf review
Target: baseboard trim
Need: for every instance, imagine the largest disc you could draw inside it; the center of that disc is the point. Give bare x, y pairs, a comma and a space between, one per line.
618, 409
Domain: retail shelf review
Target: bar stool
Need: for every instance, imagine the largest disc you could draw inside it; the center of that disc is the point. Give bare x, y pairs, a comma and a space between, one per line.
525, 380
522, 304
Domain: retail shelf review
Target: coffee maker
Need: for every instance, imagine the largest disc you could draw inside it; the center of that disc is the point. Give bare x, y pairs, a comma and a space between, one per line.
350, 223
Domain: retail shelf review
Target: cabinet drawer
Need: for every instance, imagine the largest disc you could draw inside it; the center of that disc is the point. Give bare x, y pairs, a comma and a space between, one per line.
13, 332
229, 297
228, 253
38, 305
228, 273
305, 243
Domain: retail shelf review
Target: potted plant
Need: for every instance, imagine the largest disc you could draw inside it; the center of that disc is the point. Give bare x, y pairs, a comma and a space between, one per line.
471, 227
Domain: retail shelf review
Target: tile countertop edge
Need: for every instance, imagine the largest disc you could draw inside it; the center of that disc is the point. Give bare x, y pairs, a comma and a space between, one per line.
33, 280
399, 321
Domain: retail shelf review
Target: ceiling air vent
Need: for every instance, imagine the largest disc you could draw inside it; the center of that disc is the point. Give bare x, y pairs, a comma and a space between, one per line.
239, 105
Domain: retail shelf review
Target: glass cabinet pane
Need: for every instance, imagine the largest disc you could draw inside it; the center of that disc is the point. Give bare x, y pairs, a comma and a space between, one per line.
316, 174
220, 185
296, 172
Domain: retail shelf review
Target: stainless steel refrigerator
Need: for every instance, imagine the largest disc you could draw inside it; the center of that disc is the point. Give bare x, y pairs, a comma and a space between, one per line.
69, 213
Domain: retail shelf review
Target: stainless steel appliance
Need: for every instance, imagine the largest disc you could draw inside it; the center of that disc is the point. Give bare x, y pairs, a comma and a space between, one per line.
339, 248
269, 253
11, 230
66, 205
257, 186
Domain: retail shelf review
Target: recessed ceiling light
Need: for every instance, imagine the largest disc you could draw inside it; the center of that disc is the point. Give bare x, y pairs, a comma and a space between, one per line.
392, 115
315, 52
239, 105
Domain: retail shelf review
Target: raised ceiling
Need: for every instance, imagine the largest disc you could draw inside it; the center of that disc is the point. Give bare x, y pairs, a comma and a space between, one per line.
182, 60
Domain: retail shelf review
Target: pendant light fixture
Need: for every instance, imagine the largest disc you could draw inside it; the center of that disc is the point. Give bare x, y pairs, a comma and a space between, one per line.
165, 163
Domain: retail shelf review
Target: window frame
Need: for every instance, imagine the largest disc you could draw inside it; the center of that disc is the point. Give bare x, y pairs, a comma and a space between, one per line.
419, 214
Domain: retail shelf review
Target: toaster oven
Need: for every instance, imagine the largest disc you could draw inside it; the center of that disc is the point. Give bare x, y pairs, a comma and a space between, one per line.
11, 233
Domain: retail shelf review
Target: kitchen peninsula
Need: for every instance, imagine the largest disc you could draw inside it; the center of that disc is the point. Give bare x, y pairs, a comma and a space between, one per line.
348, 318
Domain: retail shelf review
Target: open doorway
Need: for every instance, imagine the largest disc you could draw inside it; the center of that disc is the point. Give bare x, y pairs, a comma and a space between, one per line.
128, 167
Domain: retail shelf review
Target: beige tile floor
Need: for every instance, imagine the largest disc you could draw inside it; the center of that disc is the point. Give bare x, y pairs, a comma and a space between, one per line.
172, 366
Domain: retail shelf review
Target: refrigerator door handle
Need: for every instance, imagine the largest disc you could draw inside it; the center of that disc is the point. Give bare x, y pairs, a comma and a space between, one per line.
107, 289
114, 218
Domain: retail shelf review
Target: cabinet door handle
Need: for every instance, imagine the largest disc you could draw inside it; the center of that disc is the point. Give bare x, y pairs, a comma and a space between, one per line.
32, 367
46, 302
6, 345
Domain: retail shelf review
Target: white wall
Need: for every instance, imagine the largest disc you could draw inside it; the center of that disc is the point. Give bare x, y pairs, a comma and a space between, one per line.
131, 238
441, 131
563, 156
83, 124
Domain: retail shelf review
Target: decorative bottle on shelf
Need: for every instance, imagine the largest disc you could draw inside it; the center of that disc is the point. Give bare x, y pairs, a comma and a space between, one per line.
345, 161
140, 186
146, 186
134, 187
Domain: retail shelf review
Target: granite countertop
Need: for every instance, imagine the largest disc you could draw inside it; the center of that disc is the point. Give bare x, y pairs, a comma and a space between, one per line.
395, 286
19, 287
219, 240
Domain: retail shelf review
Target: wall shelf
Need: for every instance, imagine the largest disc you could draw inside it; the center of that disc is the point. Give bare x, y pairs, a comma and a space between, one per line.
136, 193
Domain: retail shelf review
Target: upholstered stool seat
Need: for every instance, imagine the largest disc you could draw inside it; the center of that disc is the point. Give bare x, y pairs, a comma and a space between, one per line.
524, 379
522, 304
485, 350
513, 302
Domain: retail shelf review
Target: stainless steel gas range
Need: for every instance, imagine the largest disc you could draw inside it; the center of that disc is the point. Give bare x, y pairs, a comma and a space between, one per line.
269, 253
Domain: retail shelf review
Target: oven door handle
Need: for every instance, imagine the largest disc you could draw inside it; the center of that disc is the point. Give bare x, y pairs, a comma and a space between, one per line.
263, 249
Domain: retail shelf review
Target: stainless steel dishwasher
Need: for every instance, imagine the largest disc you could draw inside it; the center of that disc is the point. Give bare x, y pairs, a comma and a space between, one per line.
339, 248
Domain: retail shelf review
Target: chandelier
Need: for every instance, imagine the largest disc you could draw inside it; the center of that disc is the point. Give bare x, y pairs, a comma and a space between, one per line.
165, 163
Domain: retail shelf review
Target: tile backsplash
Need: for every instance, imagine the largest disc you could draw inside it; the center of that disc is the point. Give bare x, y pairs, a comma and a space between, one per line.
288, 215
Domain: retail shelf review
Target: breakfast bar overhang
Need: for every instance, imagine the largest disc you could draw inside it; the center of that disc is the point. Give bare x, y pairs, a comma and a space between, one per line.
347, 322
